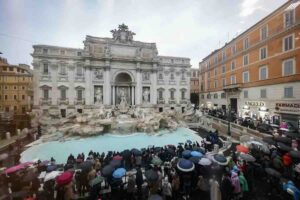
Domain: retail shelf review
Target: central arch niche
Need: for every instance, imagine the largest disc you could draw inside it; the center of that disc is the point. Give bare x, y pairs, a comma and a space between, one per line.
123, 85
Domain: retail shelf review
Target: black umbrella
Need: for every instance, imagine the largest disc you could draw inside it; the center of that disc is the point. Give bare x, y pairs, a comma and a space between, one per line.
247, 157
269, 140
283, 147
195, 160
273, 172
107, 170
295, 154
115, 163
151, 175
86, 166
136, 152
126, 153
292, 135
285, 140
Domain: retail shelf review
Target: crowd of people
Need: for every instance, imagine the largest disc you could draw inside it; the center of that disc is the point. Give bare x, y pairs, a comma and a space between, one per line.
191, 170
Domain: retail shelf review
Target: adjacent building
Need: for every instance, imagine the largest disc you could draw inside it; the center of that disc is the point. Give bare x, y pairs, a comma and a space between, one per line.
108, 71
16, 96
195, 86
257, 74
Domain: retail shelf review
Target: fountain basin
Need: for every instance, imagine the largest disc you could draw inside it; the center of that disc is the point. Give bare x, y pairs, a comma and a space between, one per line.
60, 150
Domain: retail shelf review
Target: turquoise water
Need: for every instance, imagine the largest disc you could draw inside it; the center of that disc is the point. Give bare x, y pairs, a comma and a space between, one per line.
104, 143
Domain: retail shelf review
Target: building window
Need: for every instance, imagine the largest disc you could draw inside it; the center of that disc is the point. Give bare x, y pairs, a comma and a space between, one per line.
263, 53
79, 94
79, 53
172, 76
182, 75
233, 79
62, 52
11, 69
223, 55
216, 71
63, 94
263, 93
288, 67
182, 94
5, 97
223, 96
246, 59
233, 49
15, 97
63, 70
288, 43
160, 94
23, 88
246, 43
202, 96
208, 74
246, 77
208, 64
215, 96
288, 92
232, 65
264, 32
45, 68
223, 82
46, 94
289, 18
15, 87
23, 110
223, 69
216, 83
23, 97
4, 68
208, 96
245, 94
45, 51
172, 94
7, 109
15, 108
216, 59
263, 73
208, 85
160, 76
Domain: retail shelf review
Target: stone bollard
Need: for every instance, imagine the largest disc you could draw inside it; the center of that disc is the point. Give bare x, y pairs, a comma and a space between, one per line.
216, 148
8, 135
18, 132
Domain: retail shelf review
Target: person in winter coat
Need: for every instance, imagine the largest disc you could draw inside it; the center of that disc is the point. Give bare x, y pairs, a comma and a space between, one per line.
226, 187
130, 186
139, 181
243, 183
166, 188
235, 181
215, 193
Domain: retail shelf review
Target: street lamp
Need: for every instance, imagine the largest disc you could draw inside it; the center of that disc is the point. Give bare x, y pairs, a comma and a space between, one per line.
229, 116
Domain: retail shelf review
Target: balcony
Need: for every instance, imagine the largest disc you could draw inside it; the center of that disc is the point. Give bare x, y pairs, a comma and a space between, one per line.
45, 77
183, 82
172, 82
63, 101
160, 82
44, 101
79, 102
160, 101
232, 87
79, 78
172, 101
183, 101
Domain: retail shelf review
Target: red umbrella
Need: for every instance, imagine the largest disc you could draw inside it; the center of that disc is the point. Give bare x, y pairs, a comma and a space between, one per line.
117, 157
64, 178
14, 169
241, 148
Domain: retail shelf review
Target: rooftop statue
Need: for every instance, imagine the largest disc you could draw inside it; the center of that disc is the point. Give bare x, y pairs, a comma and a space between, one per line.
123, 34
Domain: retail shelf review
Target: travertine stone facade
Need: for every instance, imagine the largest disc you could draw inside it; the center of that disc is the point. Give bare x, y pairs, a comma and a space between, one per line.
106, 71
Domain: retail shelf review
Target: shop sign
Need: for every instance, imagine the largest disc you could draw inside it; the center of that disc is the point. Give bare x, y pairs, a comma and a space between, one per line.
288, 107
255, 103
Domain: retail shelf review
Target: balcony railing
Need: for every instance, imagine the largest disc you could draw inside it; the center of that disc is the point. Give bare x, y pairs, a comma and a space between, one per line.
79, 102
79, 78
172, 101
63, 101
160, 101
172, 82
183, 101
44, 101
160, 82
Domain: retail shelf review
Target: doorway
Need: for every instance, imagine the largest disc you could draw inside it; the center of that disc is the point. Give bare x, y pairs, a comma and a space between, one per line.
233, 103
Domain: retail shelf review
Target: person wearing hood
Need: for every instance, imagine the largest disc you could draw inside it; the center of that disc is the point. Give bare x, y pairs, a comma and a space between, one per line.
292, 189
235, 181
226, 187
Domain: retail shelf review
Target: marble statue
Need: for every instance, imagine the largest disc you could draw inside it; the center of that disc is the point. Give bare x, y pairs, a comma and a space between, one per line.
98, 74
122, 34
146, 95
98, 96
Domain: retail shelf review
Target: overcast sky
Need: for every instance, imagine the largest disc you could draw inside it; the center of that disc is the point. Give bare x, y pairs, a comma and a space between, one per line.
188, 28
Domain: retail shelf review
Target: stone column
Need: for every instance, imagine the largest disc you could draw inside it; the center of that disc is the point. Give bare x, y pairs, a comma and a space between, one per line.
132, 95
113, 95
107, 87
88, 86
138, 96
153, 89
